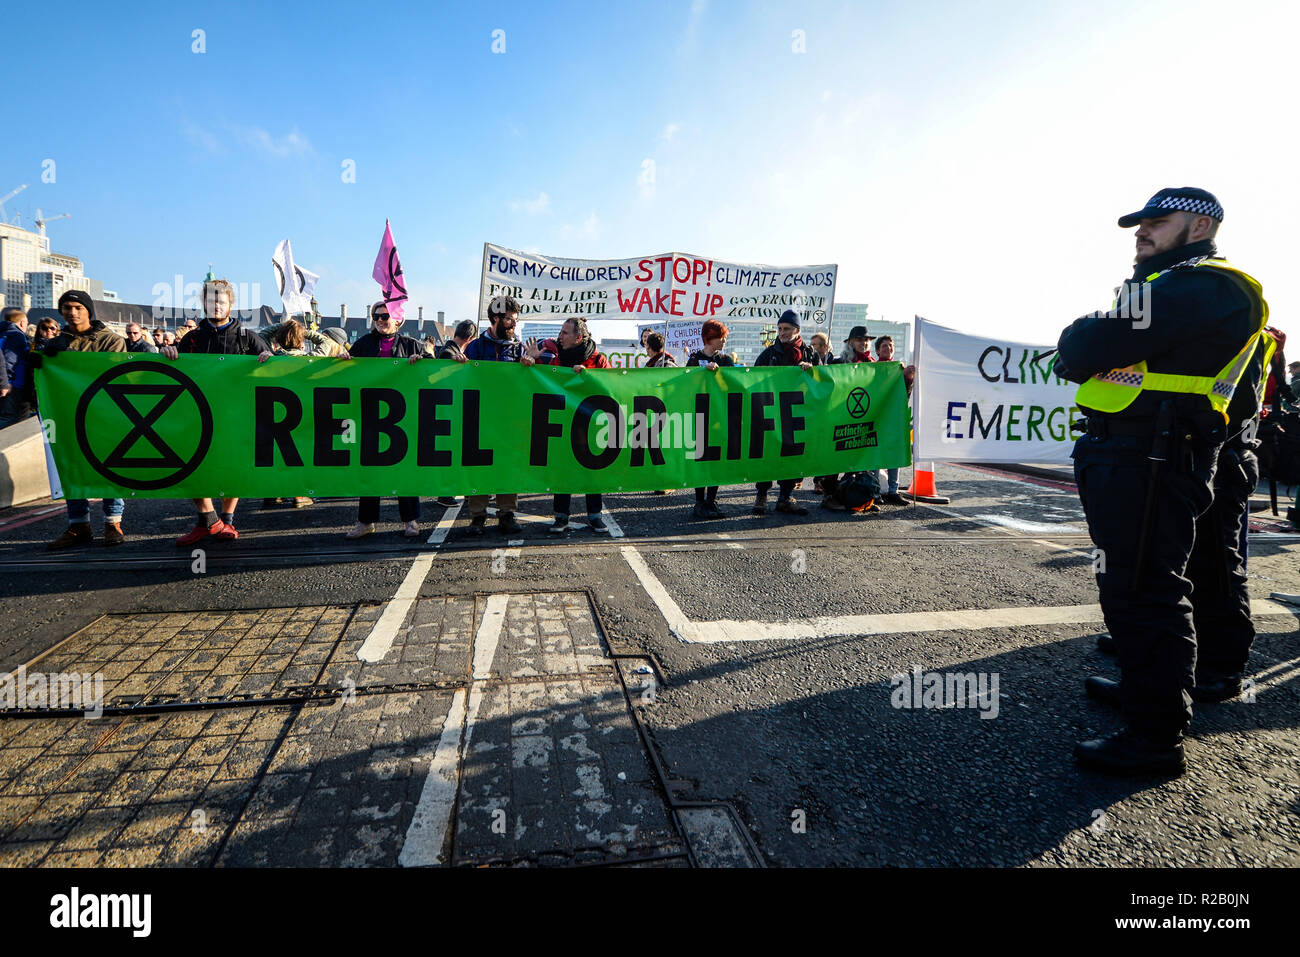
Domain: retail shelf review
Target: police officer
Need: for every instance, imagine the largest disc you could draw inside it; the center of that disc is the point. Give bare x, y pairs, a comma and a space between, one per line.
1158, 375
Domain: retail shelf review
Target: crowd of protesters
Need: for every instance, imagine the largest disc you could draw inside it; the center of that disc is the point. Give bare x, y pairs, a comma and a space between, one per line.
221, 333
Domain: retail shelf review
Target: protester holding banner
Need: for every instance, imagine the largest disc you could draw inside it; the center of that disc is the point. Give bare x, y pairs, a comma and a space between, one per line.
821, 344
659, 357
576, 349
498, 344
788, 350
885, 353
384, 341
292, 338
218, 334
857, 347
462, 335
714, 336
82, 332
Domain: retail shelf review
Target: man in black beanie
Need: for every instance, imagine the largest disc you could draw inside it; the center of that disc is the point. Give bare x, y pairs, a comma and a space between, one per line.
82, 332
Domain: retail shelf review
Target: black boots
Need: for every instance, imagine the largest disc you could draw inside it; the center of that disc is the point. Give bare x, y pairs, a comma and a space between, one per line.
1130, 754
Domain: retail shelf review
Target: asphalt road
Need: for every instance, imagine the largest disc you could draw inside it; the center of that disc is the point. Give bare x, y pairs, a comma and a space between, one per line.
765, 691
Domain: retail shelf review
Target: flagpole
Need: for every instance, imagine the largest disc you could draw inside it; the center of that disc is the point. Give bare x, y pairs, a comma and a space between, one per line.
916, 395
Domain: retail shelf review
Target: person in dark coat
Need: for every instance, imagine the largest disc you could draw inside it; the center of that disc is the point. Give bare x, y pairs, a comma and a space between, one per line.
14, 374
789, 349
220, 333
384, 341
82, 332
713, 335
574, 348
497, 344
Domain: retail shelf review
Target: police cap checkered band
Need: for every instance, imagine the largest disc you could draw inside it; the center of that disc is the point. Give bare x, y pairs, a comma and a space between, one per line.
1187, 199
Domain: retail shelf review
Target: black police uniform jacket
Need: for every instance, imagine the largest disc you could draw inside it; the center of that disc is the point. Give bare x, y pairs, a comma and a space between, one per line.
1199, 319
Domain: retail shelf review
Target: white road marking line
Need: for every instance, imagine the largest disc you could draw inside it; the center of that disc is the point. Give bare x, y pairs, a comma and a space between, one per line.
488, 635
428, 829
1007, 531
678, 623
713, 632
444, 525
615, 530
1021, 525
380, 640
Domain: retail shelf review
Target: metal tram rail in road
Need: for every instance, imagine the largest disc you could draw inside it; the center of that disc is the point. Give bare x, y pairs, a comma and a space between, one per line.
295, 698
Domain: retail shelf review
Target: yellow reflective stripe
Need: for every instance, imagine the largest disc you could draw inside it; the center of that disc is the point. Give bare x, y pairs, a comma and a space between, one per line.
1167, 382
1269, 349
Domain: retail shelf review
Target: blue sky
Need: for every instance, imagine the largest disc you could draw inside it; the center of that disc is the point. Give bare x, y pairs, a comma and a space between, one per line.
962, 161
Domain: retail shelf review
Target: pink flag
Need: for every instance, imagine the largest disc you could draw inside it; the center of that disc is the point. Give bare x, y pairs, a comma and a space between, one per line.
388, 273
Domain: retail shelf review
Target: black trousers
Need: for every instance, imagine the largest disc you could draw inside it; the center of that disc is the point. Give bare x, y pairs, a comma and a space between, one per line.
786, 486
1155, 637
706, 494
1217, 569
563, 503
408, 506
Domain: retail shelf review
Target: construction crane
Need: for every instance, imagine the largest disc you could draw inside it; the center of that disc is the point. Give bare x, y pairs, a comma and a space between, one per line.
3, 218
41, 221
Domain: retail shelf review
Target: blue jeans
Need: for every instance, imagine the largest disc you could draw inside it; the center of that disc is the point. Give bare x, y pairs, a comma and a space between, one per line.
79, 510
892, 488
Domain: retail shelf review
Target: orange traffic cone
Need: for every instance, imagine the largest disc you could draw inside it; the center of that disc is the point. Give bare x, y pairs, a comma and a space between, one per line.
922, 488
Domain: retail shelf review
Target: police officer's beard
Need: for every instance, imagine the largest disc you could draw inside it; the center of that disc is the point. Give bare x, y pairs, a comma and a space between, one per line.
1182, 239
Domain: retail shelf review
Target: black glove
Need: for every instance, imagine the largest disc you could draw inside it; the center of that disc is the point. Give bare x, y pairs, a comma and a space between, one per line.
36, 358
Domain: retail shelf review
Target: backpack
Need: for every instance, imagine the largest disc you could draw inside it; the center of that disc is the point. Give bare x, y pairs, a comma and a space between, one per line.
859, 490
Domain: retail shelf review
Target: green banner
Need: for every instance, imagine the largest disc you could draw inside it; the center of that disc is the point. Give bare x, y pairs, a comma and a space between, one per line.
137, 425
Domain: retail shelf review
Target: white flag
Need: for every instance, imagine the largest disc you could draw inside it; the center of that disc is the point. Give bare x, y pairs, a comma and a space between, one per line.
295, 283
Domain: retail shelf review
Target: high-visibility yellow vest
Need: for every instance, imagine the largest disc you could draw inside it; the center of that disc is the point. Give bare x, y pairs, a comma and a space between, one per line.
1115, 391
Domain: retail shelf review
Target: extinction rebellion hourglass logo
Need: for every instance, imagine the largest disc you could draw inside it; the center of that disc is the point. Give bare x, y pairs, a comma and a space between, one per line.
118, 421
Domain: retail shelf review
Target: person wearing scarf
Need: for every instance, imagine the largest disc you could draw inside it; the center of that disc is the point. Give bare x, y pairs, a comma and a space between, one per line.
383, 341
714, 336
788, 350
857, 347
497, 344
574, 348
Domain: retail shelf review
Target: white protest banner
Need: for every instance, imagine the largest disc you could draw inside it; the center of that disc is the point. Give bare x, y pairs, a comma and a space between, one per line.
988, 400
681, 289
680, 338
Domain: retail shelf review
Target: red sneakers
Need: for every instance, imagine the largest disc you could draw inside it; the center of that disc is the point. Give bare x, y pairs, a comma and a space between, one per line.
220, 531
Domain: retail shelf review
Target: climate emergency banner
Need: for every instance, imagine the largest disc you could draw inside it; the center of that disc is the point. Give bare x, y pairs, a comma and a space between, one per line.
126, 424
661, 288
988, 400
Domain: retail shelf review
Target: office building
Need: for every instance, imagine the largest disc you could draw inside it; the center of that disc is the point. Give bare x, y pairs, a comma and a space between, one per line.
32, 277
